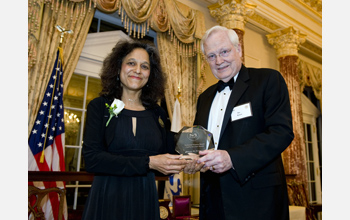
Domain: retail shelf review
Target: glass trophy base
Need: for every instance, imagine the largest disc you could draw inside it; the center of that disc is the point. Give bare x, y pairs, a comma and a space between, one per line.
190, 140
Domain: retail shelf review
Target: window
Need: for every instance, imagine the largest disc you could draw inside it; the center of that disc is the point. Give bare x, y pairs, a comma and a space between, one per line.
312, 164
81, 90
308, 92
312, 122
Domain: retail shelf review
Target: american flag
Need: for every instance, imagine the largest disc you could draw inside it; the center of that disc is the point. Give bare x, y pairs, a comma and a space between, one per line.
47, 138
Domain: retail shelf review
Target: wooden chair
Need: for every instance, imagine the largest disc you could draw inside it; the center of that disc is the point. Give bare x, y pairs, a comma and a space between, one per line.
297, 197
36, 208
182, 207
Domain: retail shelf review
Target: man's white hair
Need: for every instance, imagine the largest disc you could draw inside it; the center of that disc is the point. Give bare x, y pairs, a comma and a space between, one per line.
231, 34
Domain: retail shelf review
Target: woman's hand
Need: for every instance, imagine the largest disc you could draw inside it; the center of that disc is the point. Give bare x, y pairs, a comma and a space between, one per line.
167, 163
192, 166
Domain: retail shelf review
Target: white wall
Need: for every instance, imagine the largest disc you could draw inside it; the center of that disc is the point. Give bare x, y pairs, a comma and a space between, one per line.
258, 52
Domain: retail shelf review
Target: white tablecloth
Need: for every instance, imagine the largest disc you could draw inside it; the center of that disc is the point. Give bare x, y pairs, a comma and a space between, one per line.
297, 213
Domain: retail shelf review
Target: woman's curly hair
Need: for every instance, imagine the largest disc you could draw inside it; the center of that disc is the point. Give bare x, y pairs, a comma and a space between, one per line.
111, 85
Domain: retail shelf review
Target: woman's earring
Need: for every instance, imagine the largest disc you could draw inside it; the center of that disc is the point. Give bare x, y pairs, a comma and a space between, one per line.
118, 77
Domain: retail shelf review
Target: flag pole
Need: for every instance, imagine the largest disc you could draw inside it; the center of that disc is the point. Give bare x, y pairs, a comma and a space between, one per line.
60, 54
48, 122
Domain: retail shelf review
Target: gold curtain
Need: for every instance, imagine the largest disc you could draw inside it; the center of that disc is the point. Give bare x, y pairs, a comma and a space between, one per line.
43, 41
180, 29
134, 15
311, 75
178, 46
161, 15
180, 71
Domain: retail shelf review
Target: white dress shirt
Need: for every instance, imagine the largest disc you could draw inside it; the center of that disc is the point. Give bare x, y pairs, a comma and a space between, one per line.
217, 112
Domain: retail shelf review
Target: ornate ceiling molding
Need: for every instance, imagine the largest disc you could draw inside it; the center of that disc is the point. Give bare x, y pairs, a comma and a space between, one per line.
311, 47
264, 22
271, 17
313, 5
271, 27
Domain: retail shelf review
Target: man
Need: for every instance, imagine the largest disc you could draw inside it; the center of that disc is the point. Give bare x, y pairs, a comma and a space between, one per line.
251, 126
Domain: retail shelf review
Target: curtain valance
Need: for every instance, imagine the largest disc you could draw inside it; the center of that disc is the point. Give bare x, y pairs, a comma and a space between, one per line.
184, 24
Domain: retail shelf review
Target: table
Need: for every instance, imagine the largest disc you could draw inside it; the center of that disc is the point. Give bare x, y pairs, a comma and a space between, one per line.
297, 212
194, 211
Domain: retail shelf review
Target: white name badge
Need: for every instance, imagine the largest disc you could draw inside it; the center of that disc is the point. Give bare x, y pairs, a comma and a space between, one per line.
241, 111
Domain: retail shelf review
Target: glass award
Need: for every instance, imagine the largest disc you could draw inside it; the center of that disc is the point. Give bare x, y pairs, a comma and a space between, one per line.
190, 140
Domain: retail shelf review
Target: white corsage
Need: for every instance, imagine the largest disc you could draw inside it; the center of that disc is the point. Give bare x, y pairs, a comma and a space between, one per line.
115, 108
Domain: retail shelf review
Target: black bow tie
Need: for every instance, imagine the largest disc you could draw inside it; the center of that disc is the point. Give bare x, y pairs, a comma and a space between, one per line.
221, 85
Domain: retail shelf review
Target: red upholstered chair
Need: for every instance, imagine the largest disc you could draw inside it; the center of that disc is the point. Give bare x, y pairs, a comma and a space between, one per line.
182, 207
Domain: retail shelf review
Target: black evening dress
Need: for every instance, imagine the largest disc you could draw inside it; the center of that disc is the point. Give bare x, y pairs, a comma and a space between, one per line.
125, 188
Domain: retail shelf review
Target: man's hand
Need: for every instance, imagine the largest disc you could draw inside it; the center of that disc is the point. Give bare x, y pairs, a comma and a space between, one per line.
218, 161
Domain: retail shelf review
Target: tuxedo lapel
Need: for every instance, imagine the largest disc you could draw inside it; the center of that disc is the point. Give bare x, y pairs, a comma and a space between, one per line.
238, 90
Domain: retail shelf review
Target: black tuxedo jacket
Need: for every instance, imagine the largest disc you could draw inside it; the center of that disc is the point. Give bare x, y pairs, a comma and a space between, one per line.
256, 187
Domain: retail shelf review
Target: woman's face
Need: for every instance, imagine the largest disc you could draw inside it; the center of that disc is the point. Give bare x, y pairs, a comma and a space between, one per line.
135, 70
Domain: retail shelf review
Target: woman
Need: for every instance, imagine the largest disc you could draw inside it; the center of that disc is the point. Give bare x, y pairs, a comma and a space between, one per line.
125, 145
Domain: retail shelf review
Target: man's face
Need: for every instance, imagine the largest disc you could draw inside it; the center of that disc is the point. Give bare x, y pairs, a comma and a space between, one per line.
224, 59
